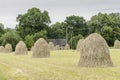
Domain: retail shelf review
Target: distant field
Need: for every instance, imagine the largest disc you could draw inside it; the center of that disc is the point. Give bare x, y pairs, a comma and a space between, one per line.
62, 65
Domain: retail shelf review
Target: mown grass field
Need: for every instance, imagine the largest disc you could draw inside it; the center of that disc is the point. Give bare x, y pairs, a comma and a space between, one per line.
62, 65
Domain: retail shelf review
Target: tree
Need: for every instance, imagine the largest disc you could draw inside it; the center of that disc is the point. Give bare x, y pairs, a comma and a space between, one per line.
107, 25
41, 34
76, 25
10, 37
57, 31
1, 29
32, 22
74, 40
29, 41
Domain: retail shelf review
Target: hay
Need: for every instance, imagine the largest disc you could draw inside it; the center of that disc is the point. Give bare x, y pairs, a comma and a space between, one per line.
95, 52
21, 48
51, 46
57, 47
8, 48
32, 48
40, 49
117, 44
79, 44
67, 47
1, 49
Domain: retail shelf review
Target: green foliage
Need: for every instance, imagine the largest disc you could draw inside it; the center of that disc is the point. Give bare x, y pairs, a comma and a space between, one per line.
57, 31
29, 41
10, 37
108, 25
76, 25
32, 22
1, 29
41, 34
74, 40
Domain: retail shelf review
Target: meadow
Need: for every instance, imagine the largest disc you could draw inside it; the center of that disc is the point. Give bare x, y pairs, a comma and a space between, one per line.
62, 65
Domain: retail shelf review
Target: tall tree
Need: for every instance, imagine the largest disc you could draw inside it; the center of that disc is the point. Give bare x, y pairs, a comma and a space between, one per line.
77, 25
57, 30
32, 22
108, 25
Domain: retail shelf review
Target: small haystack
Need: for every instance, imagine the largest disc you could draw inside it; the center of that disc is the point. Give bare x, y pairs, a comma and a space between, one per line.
67, 47
117, 44
41, 49
1, 49
32, 48
57, 47
51, 46
79, 44
8, 48
95, 52
21, 48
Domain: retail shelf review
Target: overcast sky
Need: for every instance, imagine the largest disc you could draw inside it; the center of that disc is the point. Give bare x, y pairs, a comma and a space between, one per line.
58, 9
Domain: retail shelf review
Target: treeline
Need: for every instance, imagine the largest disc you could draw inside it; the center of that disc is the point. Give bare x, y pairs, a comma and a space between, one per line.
36, 23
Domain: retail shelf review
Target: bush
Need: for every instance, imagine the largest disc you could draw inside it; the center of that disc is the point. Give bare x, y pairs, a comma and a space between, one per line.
29, 41
40, 49
8, 48
10, 37
21, 48
74, 40
41, 34
95, 52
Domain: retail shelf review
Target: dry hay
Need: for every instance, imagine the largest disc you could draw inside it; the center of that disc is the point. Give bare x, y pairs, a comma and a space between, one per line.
8, 48
40, 49
117, 44
51, 46
57, 47
95, 52
32, 48
21, 48
2, 49
67, 47
79, 44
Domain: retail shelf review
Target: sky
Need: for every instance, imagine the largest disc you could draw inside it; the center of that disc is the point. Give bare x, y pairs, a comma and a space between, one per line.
58, 9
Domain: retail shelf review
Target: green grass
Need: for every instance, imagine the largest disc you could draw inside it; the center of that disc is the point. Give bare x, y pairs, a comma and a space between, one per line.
62, 65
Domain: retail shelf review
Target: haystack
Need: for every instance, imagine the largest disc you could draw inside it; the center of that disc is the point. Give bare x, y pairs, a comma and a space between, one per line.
117, 44
41, 49
21, 48
57, 47
1, 49
95, 52
79, 44
67, 47
8, 48
32, 48
51, 46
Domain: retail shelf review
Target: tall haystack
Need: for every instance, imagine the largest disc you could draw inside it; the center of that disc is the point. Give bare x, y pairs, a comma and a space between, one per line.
8, 48
51, 46
41, 49
95, 52
57, 47
79, 44
21, 48
1, 49
67, 47
117, 44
